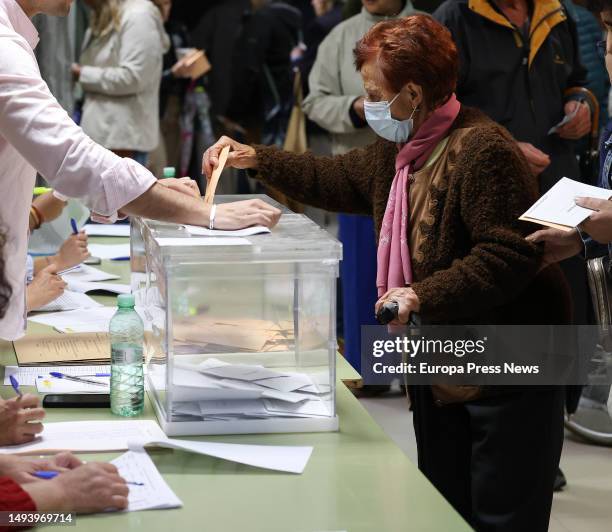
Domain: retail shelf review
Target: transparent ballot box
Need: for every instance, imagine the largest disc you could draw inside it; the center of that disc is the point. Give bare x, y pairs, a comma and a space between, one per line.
240, 330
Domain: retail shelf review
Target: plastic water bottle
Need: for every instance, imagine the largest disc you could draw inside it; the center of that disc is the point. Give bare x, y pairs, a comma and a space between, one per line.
127, 340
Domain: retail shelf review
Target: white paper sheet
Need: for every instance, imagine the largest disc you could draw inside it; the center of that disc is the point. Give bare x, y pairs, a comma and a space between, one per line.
200, 241
87, 286
102, 436
116, 230
566, 119
27, 375
289, 459
89, 436
77, 321
85, 273
249, 231
70, 301
109, 251
558, 204
148, 489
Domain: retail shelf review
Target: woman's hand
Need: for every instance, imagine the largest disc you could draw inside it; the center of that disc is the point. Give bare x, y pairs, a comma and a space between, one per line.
73, 252
407, 300
241, 214
240, 156
20, 420
22, 469
184, 185
558, 245
47, 286
89, 488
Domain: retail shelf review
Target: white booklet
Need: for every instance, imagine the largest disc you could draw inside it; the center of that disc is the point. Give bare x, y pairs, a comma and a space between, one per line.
148, 489
557, 208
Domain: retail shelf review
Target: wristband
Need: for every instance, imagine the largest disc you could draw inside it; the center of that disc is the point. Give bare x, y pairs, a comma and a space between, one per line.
213, 212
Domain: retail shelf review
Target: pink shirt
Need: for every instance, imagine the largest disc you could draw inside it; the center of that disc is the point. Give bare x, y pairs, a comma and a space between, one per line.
36, 134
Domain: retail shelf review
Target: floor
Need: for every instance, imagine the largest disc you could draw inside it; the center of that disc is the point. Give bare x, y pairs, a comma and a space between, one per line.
585, 505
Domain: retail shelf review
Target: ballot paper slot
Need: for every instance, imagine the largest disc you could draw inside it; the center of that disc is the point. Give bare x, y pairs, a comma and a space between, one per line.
243, 336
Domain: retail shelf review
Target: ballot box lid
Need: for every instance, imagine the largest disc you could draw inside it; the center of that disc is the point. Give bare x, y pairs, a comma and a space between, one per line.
295, 238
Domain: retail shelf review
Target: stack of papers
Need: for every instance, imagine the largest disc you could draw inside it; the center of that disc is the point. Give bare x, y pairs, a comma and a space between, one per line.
95, 320
148, 489
28, 375
116, 230
85, 273
70, 300
83, 349
217, 391
110, 251
134, 435
83, 287
48, 384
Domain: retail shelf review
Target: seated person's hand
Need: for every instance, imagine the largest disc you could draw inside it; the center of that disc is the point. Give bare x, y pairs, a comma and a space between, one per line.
407, 300
47, 286
558, 245
20, 419
537, 159
599, 224
241, 214
184, 185
578, 126
241, 156
73, 252
89, 488
21, 469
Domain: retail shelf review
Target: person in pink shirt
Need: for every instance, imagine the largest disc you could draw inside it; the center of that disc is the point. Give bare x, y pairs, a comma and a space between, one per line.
37, 135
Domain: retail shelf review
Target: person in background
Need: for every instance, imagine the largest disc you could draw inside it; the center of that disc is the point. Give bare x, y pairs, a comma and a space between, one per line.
590, 34
262, 78
455, 253
217, 33
335, 103
328, 16
120, 72
37, 135
594, 236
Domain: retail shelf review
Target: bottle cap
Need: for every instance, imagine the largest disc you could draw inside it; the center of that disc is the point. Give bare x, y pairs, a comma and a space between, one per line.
169, 171
126, 301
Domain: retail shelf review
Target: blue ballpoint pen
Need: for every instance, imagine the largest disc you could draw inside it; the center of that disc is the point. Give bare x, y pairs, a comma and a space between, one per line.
59, 375
48, 475
15, 385
75, 229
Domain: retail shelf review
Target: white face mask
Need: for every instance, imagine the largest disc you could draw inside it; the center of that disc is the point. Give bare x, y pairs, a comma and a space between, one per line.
378, 116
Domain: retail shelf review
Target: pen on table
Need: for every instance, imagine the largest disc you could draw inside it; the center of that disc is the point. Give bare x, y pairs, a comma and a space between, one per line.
59, 375
75, 229
15, 385
48, 475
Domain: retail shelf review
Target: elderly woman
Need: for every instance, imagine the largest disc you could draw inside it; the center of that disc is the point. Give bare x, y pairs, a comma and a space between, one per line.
446, 186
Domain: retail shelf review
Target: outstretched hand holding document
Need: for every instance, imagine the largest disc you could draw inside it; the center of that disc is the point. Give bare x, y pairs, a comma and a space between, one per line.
557, 208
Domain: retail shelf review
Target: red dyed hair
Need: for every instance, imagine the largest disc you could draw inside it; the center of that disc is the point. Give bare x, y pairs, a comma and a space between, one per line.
413, 49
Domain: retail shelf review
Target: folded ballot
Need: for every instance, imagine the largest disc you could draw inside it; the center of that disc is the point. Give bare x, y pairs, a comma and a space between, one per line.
557, 208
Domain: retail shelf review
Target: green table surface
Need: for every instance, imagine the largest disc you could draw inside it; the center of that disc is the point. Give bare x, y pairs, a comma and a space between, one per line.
357, 478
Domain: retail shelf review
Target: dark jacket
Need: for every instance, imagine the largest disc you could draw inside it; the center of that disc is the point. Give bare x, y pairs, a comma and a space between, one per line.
262, 77
519, 82
474, 264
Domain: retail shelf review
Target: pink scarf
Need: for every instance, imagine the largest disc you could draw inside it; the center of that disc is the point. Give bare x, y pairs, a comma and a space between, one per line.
394, 262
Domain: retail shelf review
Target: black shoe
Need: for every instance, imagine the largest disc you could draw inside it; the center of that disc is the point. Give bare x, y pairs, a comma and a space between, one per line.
560, 481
